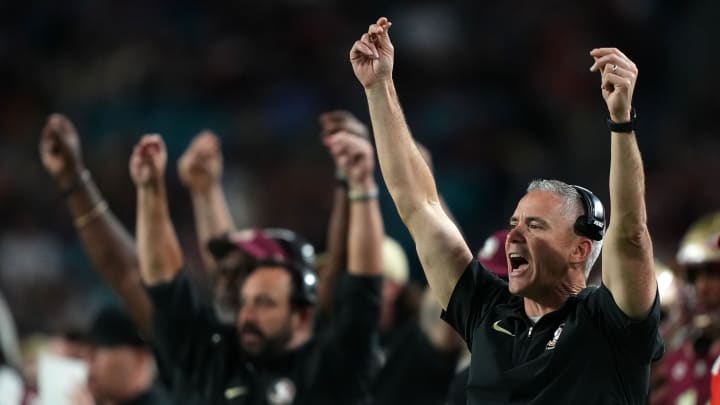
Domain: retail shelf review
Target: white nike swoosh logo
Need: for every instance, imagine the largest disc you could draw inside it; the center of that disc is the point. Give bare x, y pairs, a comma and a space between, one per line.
235, 392
497, 327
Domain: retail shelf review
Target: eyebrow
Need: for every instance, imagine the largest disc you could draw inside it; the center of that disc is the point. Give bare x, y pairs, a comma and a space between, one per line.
541, 221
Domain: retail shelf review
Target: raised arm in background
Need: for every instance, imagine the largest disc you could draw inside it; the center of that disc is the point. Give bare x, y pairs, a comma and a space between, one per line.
627, 257
200, 169
108, 244
440, 245
157, 244
331, 123
354, 156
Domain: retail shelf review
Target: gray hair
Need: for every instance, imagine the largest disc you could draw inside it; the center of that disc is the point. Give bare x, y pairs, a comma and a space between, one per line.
572, 206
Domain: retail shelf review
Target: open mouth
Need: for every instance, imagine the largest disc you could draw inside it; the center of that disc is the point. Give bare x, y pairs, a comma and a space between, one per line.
518, 263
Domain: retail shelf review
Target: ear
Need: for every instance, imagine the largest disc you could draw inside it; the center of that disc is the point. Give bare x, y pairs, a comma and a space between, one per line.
581, 251
302, 317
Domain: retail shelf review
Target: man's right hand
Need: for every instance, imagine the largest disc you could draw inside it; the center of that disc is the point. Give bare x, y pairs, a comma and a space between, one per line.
355, 156
60, 150
201, 165
332, 122
372, 56
148, 161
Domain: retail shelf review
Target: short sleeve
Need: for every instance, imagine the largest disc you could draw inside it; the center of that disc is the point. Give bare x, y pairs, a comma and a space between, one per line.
639, 339
474, 295
183, 325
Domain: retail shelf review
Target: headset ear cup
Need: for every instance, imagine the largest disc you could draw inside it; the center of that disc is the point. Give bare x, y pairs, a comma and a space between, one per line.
585, 228
592, 224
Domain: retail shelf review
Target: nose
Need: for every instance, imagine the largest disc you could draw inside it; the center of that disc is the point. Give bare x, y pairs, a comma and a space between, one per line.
245, 314
515, 235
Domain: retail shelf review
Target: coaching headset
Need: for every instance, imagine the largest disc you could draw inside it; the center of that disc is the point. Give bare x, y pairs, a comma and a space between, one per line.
592, 224
300, 262
298, 256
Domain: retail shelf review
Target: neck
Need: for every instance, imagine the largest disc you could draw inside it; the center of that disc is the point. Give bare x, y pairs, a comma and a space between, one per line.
300, 337
553, 300
537, 308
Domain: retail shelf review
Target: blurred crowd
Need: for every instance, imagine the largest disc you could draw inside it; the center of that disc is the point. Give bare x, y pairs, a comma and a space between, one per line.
491, 89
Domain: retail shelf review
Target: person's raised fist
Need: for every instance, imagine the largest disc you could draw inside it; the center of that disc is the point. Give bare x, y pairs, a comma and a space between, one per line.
60, 150
201, 165
148, 161
372, 55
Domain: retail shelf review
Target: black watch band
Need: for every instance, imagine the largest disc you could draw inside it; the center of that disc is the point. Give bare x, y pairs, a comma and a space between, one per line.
623, 127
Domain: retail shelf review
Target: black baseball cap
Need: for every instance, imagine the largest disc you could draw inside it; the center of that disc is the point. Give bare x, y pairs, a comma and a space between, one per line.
112, 327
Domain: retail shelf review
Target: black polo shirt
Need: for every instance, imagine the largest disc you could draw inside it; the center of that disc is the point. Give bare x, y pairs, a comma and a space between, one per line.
209, 368
588, 351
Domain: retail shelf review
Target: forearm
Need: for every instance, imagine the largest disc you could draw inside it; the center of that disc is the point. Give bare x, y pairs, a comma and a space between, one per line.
365, 233
212, 218
404, 170
336, 247
627, 255
158, 248
112, 252
627, 187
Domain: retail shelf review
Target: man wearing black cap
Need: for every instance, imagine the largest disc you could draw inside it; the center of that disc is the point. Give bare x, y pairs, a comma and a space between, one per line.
122, 367
273, 356
542, 338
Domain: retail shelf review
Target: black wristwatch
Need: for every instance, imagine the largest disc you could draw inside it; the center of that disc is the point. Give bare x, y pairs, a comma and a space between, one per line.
623, 127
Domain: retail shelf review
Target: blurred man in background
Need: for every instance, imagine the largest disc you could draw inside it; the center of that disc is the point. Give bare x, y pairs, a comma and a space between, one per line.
406, 336
685, 371
273, 356
107, 243
122, 368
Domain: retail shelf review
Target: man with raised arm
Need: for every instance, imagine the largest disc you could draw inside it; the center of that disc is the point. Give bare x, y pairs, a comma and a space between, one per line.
108, 244
273, 355
543, 337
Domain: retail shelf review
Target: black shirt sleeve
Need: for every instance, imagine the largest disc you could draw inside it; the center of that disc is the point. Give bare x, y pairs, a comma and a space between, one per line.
475, 294
357, 315
638, 339
184, 326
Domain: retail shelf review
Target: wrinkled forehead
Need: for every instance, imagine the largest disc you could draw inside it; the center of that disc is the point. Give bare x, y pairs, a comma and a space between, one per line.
548, 206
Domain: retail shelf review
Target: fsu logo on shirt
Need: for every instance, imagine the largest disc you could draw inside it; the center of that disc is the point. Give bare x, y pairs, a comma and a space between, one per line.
553, 342
281, 392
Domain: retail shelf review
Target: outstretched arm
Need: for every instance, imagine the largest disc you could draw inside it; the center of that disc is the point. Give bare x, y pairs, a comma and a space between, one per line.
108, 244
200, 169
627, 252
440, 245
365, 230
331, 123
157, 244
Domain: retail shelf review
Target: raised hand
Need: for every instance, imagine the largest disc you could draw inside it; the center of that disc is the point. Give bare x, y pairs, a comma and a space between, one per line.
60, 150
354, 155
201, 165
372, 55
618, 76
148, 161
340, 120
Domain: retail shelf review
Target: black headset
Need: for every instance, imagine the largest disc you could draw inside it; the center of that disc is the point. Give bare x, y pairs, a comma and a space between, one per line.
592, 224
300, 263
